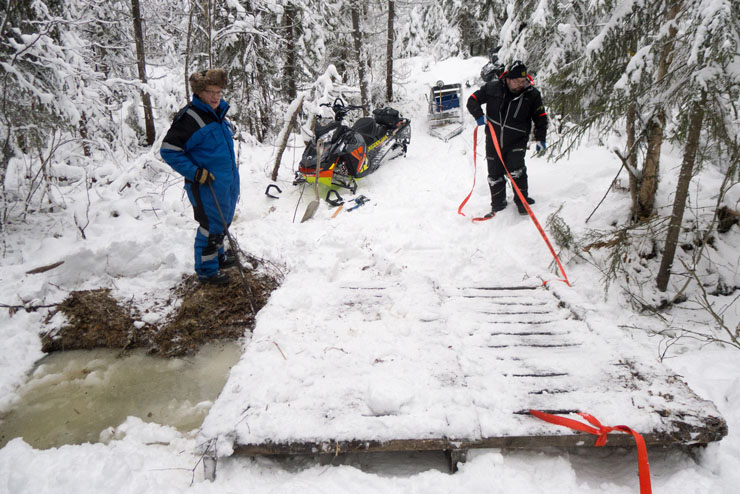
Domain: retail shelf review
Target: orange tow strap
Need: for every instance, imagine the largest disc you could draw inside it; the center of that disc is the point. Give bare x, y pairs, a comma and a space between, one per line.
643, 465
518, 192
475, 169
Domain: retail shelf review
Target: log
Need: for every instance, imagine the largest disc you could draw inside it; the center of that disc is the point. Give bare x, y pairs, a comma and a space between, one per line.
294, 109
43, 269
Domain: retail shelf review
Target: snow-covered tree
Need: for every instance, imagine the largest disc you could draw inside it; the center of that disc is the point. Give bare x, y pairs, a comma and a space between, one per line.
51, 91
478, 23
443, 35
606, 60
705, 86
70, 87
411, 36
655, 69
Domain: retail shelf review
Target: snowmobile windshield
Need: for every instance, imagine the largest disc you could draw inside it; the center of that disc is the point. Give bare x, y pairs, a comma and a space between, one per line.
326, 132
329, 136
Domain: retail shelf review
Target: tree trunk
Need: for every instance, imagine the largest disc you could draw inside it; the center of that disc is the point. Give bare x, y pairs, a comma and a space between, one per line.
651, 167
656, 125
5, 154
465, 28
84, 135
389, 52
141, 65
265, 107
297, 104
289, 22
682, 190
632, 154
188, 45
357, 36
209, 31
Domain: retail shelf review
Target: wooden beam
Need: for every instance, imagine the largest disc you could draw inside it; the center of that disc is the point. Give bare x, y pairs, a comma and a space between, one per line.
684, 434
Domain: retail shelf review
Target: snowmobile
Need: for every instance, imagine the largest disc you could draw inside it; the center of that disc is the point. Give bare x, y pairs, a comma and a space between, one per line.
494, 68
351, 153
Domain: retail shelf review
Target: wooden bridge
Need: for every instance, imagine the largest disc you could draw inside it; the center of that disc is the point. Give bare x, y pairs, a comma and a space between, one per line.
411, 365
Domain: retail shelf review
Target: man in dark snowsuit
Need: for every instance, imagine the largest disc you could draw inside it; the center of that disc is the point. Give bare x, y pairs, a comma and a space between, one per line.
199, 146
512, 104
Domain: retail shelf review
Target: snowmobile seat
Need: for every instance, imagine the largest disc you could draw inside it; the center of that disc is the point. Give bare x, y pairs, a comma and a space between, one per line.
369, 130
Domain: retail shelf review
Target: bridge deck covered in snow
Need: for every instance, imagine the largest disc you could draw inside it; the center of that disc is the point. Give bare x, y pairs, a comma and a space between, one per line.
407, 364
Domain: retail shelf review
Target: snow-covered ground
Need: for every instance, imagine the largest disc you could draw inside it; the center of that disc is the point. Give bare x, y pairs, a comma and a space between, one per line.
139, 242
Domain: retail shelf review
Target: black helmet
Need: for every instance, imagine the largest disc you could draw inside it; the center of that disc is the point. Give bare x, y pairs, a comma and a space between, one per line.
491, 71
516, 70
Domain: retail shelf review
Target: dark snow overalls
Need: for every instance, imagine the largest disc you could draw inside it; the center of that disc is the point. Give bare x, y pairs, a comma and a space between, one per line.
512, 116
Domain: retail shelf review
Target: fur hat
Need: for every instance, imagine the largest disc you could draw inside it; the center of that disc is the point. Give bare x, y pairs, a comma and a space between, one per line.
212, 77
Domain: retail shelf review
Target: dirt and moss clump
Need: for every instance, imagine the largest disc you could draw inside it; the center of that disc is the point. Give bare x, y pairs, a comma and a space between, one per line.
206, 313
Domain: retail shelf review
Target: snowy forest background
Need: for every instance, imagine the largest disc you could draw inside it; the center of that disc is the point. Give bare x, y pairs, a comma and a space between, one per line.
88, 83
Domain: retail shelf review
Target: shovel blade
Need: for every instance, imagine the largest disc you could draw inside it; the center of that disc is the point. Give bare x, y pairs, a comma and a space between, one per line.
310, 210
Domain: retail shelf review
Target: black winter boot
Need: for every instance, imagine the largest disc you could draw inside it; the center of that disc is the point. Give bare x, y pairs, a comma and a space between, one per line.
227, 260
522, 182
520, 207
219, 278
498, 194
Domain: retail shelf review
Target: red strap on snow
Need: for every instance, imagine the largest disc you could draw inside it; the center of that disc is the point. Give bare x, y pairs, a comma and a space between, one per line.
526, 205
519, 193
475, 168
643, 465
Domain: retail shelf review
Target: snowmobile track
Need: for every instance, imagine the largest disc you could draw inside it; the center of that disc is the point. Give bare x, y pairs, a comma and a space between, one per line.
459, 368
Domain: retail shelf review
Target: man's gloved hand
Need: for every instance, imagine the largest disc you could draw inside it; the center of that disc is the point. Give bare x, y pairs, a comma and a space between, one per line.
481, 120
203, 176
540, 147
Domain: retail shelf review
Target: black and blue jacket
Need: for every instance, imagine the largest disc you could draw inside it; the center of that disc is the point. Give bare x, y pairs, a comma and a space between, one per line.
202, 137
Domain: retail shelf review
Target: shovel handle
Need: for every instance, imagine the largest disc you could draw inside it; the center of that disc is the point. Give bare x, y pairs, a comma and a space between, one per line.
319, 151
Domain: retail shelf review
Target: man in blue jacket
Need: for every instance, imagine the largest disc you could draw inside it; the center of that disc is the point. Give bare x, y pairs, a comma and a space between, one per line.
512, 105
200, 147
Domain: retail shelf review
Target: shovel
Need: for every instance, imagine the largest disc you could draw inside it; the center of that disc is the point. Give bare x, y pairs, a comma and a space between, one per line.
235, 249
314, 205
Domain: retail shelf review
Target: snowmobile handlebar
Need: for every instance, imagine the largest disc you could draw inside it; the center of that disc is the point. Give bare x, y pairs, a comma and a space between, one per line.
340, 109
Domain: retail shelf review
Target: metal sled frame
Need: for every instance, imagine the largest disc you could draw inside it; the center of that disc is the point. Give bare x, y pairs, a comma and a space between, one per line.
445, 111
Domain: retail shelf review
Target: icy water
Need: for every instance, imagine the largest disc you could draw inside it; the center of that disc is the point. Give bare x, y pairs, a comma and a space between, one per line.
71, 397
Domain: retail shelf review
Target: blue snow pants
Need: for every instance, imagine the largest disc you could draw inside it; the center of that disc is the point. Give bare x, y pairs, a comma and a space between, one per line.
209, 238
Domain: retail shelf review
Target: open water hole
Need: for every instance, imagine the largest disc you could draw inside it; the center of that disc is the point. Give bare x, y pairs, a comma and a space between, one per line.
73, 396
